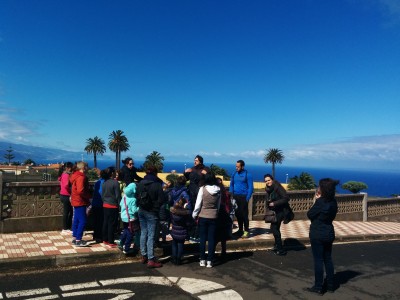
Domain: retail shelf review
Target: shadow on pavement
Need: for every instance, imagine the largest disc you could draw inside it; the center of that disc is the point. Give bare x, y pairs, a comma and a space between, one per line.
292, 244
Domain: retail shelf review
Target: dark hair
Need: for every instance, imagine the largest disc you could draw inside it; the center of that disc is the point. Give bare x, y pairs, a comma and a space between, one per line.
268, 175
151, 170
126, 160
107, 173
241, 162
210, 179
64, 167
181, 180
327, 187
199, 158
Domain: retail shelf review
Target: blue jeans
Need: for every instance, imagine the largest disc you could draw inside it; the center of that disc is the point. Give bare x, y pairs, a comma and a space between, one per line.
177, 248
322, 254
207, 230
126, 237
148, 222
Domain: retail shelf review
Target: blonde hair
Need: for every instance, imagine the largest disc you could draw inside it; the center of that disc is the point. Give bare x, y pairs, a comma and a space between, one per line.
80, 165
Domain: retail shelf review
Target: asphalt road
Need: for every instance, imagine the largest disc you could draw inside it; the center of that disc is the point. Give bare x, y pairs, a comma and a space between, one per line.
369, 270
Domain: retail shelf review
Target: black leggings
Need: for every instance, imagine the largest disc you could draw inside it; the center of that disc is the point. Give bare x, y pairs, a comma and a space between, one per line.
67, 212
242, 212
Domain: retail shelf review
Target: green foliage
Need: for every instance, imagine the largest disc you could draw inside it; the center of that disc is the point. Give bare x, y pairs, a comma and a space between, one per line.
9, 155
92, 174
96, 146
354, 186
303, 182
154, 159
274, 156
118, 142
219, 171
29, 162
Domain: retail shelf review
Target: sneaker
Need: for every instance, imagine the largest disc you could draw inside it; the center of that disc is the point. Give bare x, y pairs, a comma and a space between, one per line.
245, 235
238, 233
153, 263
120, 246
280, 252
315, 290
209, 264
66, 232
144, 259
81, 243
128, 252
202, 263
73, 242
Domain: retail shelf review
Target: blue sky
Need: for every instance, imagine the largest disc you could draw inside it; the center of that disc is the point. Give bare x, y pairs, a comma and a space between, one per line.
319, 80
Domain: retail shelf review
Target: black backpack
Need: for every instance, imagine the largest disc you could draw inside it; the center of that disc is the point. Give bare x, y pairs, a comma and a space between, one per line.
143, 198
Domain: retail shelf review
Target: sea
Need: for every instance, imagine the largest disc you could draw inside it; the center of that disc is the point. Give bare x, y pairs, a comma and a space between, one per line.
380, 183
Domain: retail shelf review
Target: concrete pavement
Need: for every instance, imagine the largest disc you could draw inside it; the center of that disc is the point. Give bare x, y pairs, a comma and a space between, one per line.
33, 250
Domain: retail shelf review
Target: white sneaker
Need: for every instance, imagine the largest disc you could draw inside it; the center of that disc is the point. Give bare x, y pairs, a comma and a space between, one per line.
66, 232
209, 264
202, 263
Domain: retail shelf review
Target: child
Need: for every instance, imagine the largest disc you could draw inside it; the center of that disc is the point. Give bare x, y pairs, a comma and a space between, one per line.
130, 220
181, 220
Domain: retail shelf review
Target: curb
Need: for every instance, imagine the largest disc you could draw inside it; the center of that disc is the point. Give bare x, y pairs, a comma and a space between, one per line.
71, 260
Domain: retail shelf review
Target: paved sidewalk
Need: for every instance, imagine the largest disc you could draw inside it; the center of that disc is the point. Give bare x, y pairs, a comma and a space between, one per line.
49, 249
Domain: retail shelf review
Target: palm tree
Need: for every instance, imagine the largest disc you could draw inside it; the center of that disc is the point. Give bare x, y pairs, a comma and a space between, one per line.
154, 159
274, 156
303, 182
96, 146
118, 143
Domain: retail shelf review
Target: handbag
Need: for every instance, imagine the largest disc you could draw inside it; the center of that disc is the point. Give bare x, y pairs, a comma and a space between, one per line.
289, 215
133, 225
270, 216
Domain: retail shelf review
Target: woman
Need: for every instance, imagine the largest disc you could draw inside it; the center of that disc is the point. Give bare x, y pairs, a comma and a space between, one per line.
128, 171
206, 208
322, 234
277, 200
111, 196
65, 194
224, 221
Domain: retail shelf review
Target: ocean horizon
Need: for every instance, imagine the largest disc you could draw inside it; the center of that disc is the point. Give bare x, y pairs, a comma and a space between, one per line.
380, 183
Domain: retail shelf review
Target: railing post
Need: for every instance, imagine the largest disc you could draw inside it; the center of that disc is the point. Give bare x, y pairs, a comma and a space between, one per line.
365, 207
1, 196
250, 208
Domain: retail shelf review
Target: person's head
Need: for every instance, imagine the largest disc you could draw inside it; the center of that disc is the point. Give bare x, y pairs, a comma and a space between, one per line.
66, 167
198, 160
107, 173
327, 188
81, 166
128, 162
268, 179
181, 180
151, 170
181, 203
239, 165
209, 179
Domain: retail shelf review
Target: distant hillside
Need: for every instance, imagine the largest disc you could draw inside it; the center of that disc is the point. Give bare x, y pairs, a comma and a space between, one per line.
37, 154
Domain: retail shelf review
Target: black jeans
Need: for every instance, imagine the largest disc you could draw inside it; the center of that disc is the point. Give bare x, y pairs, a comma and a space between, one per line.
98, 218
67, 212
276, 231
242, 212
110, 224
322, 254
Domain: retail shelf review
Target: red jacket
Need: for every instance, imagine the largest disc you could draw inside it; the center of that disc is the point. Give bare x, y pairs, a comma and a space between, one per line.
80, 194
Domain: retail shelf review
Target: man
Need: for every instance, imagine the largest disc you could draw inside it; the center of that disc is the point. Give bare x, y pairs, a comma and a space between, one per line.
196, 176
150, 197
241, 189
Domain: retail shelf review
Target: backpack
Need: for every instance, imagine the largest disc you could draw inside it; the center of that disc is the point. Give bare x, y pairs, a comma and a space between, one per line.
143, 198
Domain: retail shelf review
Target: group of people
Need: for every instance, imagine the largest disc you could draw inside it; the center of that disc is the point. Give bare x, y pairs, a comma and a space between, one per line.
202, 211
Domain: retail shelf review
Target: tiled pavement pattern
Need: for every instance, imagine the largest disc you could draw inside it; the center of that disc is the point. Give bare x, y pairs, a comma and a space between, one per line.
52, 243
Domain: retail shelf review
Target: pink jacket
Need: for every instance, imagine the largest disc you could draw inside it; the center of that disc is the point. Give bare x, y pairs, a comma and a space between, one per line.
65, 186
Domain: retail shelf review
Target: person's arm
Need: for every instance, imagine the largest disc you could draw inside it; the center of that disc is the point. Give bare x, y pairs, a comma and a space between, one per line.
315, 210
250, 186
199, 201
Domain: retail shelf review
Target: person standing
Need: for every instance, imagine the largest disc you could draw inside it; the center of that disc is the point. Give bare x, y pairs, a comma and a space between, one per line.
195, 175
111, 196
65, 195
80, 199
322, 234
128, 172
277, 200
97, 210
206, 209
241, 189
224, 221
150, 197
130, 220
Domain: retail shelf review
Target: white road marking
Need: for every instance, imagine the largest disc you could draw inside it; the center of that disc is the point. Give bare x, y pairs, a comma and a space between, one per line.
195, 286
227, 294
27, 293
121, 294
78, 286
141, 279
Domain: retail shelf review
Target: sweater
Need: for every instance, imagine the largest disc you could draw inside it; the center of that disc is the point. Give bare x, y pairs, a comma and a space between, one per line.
65, 186
207, 202
111, 194
242, 184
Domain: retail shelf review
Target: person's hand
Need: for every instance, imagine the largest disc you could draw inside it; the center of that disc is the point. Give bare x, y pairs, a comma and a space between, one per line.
271, 204
203, 172
188, 170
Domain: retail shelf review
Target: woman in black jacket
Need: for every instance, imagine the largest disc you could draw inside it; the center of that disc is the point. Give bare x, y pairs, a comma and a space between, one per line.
277, 200
322, 234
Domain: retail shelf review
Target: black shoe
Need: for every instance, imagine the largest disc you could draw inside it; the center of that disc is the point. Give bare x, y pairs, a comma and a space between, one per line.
173, 260
314, 290
280, 252
330, 289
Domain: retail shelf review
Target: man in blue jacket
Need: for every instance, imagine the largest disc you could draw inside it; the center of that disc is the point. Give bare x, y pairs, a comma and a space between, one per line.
241, 189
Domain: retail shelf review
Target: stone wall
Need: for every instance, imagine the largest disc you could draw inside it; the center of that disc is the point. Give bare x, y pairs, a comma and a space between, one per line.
36, 206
